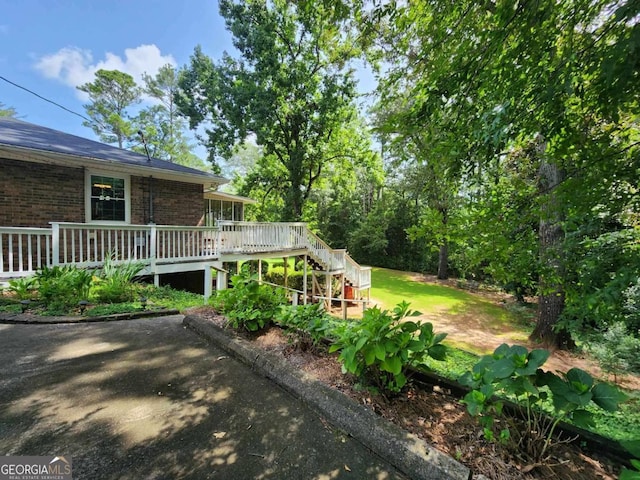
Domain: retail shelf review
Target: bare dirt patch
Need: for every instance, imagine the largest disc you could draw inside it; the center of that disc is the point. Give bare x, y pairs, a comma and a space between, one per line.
434, 415
467, 328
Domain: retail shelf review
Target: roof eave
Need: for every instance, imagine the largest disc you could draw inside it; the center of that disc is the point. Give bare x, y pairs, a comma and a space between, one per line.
70, 160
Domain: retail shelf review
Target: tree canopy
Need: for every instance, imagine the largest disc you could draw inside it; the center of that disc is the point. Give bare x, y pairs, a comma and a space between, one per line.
117, 118
291, 88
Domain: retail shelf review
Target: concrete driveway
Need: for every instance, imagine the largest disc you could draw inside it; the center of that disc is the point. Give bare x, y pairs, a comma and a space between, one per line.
149, 399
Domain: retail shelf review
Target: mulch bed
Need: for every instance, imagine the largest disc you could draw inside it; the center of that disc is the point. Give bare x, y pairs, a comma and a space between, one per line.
435, 416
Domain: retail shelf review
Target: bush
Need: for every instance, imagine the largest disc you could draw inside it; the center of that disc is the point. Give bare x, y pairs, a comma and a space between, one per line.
61, 288
253, 266
617, 350
306, 325
514, 373
23, 288
115, 281
295, 278
380, 346
248, 304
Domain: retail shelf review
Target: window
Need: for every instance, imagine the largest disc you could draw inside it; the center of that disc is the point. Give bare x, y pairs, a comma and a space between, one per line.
108, 198
238, 211
227, 211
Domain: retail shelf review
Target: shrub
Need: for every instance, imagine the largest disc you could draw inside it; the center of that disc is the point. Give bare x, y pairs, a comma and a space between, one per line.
248, 304
23, 288
306, 325
514, 373
253, 266
114, 283
380, 346
617, 350
295, 278
61, 288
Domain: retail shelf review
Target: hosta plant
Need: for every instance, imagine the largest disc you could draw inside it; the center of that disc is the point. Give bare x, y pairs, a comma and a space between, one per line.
513, 373
383, 344
248, 304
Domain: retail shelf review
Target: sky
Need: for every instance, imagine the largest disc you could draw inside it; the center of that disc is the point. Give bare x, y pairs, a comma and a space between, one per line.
52, 46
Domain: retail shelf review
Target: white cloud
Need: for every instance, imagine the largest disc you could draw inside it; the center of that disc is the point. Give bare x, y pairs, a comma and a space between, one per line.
74, 66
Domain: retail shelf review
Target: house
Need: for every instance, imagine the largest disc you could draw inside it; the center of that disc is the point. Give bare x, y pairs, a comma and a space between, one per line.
69, 200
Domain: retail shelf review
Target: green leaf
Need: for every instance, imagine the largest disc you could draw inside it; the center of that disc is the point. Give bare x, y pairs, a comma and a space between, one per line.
380, 351
438, 352
468, 380
415, 346
392, 365
361, 341
538, 357
409, 327
632, 446
627, 474
503, 368
439, 337
501, 351
583, 419
369, 356
580, 380
607, 397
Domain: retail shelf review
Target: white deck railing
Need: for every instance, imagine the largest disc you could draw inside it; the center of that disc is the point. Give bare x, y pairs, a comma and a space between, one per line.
24, 250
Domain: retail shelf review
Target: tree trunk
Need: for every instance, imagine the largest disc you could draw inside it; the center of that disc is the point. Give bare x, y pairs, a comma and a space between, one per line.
550, 235
443, 261
443, 256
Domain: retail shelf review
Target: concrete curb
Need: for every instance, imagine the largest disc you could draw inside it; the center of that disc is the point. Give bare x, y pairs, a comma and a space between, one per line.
26, 319
405, 451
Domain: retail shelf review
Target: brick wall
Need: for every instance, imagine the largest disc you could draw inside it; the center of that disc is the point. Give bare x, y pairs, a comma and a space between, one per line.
34, 194
174, 203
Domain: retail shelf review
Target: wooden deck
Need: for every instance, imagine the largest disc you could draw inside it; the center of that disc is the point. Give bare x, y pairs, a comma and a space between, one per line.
169, 249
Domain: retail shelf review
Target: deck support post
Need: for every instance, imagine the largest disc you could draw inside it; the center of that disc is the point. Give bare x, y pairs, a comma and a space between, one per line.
156, 279
221, 280
259, 270
208, 281
55, 244
343, 301
304, 281
286, 273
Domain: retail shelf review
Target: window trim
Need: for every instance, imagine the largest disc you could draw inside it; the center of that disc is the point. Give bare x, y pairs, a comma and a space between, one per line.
87, 196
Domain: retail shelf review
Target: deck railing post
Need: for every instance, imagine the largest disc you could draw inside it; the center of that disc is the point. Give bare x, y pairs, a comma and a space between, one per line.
153, 237
55, 244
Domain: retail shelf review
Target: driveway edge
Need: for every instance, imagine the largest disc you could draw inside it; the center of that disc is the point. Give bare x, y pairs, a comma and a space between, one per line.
405, 451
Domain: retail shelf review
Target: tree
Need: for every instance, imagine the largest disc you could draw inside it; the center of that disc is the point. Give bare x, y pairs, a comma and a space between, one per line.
162, 125
111, 93
514, 73
291, 88
7, 111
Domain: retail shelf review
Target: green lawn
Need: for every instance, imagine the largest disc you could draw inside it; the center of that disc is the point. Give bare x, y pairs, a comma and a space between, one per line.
446, 305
